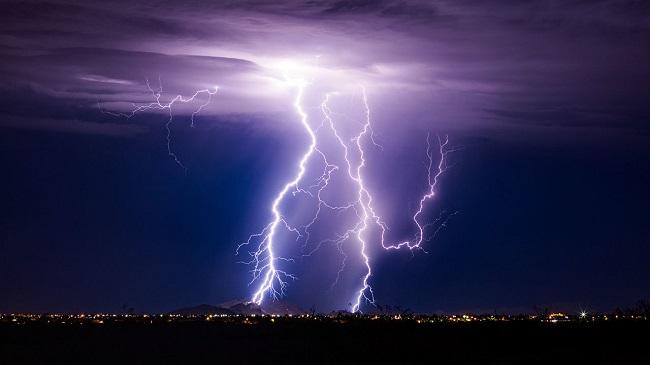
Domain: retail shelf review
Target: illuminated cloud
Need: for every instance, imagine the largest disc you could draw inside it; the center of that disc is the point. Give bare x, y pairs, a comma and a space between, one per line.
491, 65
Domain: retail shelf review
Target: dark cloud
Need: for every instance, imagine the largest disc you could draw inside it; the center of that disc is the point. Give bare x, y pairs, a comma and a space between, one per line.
91, 19
74, 126
354, 6
27, 108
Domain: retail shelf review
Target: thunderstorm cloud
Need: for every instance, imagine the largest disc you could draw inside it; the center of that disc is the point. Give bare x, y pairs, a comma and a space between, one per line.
489, 66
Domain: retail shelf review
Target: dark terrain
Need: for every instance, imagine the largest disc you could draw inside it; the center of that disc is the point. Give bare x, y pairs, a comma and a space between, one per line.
322, 340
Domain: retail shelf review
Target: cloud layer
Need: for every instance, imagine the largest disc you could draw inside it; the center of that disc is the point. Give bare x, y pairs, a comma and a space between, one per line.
473, 65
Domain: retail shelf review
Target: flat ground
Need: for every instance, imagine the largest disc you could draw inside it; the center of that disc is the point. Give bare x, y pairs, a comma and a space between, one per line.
312, 341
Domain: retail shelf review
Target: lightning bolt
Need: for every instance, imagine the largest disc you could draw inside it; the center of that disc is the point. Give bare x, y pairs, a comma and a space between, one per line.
157, 104
362, 205
432, 177
272, 279
266, 271
264, 260
365, 211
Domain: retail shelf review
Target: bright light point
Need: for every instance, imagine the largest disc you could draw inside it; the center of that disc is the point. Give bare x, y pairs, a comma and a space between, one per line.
583, 314
293, 71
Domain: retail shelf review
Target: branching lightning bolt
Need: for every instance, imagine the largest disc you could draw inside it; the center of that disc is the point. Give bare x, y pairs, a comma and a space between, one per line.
264, 259
363, 204
159, 105
433, 178
365, 210
365, 199
271, 279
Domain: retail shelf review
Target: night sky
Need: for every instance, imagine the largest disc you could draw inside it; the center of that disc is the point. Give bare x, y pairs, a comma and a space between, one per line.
545, 103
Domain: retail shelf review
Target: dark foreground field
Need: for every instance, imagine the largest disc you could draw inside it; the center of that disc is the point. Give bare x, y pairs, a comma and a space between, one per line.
310, 341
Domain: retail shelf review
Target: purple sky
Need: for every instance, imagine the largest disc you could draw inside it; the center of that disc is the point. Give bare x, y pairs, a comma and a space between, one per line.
520, 66
548, 99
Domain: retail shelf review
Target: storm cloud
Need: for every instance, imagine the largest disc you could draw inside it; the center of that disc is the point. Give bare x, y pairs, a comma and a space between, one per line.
477, 65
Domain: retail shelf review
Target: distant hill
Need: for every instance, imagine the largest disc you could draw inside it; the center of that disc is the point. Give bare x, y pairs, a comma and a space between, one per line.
202, 310
247, 309
207, 309
241, 307
282, 308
